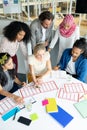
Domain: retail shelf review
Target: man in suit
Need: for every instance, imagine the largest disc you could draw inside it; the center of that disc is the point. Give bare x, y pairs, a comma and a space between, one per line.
41, 29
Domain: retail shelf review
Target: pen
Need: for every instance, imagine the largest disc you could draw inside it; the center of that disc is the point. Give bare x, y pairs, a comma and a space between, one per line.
15, 114
22, 107
33, 100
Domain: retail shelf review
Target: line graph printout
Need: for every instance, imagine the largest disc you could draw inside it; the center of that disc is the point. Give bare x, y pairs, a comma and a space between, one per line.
6, 104
30, 90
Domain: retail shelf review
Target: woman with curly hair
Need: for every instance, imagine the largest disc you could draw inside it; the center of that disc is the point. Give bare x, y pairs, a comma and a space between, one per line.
14, 35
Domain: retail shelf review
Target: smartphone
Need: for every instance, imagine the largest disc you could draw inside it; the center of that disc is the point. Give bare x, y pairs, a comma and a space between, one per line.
24, 120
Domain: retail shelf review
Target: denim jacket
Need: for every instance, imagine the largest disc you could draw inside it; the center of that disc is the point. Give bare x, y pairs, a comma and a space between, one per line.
80, 65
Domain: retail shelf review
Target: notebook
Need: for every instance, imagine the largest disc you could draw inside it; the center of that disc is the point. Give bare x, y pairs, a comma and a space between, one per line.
51, 106
82, 108
62, 116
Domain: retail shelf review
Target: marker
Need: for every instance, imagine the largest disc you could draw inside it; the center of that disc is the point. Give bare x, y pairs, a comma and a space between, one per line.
15, 114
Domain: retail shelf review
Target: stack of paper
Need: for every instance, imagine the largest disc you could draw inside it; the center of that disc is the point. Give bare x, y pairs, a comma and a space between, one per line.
51, 106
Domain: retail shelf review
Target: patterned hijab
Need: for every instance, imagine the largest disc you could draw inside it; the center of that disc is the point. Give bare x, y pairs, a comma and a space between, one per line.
69, 20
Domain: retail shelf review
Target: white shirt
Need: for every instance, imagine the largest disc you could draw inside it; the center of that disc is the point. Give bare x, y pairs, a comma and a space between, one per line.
39, 66
12, 47
71, 67
44, 34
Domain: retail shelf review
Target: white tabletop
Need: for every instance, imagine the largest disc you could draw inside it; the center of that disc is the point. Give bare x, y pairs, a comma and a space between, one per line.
45, 121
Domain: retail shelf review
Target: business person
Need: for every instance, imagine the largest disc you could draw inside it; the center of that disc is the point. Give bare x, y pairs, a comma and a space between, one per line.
74, 60
41, 29
39, 64
8, 79
66, 34
16, 34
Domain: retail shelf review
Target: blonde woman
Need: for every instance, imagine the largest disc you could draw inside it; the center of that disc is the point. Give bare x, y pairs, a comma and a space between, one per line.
39, 64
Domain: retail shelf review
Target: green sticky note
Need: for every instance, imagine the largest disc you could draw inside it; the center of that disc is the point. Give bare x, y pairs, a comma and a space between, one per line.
33, 116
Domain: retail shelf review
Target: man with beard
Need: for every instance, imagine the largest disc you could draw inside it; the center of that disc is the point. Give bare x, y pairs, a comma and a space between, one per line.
41, 29
74, 60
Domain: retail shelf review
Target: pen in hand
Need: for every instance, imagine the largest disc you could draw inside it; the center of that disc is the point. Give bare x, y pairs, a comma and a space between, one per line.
15, 114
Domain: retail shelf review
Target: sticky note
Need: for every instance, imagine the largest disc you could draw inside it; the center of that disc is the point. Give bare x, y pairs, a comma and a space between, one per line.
44, 102
33, 116
51, 106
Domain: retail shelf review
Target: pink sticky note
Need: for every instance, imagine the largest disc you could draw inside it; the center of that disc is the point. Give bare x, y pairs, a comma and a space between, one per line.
44, 102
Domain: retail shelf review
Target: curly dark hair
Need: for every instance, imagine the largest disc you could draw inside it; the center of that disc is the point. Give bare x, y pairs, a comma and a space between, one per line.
11, 31
12, 73
81, 44
46, 15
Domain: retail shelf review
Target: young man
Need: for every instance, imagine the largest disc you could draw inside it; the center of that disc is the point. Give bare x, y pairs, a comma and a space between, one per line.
74, 60
41, 29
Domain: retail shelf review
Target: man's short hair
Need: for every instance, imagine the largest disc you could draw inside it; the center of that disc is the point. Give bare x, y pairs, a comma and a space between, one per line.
46, 15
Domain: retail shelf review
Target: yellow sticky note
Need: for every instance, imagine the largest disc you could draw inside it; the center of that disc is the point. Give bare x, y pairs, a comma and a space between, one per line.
51, 106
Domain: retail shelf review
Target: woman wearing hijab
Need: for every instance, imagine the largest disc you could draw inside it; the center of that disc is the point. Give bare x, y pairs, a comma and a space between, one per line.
67, 33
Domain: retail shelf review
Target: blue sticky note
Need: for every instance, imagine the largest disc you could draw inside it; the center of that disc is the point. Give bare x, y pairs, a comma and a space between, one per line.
61, 116
10, 113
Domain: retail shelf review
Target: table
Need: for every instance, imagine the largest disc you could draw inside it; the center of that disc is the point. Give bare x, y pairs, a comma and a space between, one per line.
44, 121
